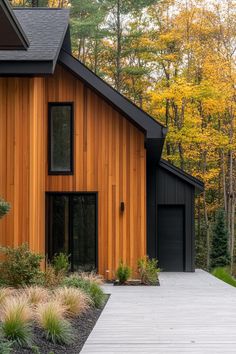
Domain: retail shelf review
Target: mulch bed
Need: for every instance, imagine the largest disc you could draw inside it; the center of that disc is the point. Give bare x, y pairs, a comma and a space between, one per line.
82, 327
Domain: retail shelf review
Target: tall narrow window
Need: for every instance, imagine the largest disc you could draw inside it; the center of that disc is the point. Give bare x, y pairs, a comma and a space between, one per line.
60, 138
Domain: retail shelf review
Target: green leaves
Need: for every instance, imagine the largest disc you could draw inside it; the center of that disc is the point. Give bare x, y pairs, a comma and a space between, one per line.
4, 207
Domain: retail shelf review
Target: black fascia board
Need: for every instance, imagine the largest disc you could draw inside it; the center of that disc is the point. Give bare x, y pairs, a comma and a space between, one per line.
153, 129
10, 68
9, 14
199, 185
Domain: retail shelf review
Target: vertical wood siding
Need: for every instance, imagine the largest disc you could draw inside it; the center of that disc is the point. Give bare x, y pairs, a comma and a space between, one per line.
109, 158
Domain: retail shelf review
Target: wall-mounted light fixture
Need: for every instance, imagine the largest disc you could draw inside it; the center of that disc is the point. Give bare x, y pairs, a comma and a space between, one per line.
122, 207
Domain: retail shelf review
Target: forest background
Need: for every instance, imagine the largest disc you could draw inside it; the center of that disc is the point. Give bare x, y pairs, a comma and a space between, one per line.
176, 60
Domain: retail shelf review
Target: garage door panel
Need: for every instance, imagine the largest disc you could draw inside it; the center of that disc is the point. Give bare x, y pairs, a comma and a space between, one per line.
170, 236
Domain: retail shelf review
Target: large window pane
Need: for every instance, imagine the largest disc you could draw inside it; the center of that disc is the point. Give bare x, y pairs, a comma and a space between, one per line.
72, 228
58, 224
84, 232
60, 144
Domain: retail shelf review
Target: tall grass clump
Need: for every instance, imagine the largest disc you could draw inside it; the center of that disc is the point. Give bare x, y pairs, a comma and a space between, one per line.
4, 295
34, 295
91, 288
74, 300
16, 317
50, 317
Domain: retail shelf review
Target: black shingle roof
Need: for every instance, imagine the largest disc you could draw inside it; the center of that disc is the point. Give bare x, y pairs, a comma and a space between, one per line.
45, 30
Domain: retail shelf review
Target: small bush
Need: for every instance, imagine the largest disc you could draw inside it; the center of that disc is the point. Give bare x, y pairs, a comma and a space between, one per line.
91, 288
123, 273
20, 266
4, 208
74, 300
50, 318
35, 295
15, 318
148, 271
61, 263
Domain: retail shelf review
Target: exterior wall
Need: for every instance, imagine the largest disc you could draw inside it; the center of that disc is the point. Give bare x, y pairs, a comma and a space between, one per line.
171, 190
109, 158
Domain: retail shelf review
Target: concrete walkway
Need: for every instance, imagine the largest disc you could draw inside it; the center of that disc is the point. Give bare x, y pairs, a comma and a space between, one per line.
188, 313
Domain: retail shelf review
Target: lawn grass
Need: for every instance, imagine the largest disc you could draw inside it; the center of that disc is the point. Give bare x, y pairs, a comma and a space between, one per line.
224, 275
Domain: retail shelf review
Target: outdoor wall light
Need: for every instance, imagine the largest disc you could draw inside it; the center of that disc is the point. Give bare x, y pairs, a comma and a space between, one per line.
122, 207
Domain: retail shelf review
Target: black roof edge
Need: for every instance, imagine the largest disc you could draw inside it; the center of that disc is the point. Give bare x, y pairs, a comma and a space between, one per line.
153, 129
25, 68
195, 182
15, 23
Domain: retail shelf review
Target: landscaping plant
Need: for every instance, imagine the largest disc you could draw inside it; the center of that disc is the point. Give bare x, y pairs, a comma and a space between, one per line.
16, 321
34, 295
52, 278
91, 288
20, 266
223, 274
74, 300
123, 273
61, 263
5, 346
148, 270
4, 294
50, 317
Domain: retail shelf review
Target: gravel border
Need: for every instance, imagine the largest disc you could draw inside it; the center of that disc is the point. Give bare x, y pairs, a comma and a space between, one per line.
82, 327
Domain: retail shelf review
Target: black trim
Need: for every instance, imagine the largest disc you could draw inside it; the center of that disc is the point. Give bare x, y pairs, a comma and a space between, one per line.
23, 68
48, 194
15, 26
71, 171
199, 185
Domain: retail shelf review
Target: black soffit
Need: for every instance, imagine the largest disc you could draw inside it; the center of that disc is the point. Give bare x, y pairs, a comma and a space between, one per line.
12, 35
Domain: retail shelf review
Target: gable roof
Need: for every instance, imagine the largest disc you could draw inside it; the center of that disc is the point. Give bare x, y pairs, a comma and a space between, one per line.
186, 177
153, 129
45, 30
12, 35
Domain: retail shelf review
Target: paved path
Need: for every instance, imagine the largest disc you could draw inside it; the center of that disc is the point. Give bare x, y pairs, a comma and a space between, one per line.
188, 313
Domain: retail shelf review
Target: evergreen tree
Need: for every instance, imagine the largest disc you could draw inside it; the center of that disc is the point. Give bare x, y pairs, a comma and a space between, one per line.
219, 252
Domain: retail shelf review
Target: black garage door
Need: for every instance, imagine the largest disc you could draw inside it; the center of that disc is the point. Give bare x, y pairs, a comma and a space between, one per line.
170, 236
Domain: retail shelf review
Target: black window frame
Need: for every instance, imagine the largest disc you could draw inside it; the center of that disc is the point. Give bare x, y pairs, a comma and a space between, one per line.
50, 170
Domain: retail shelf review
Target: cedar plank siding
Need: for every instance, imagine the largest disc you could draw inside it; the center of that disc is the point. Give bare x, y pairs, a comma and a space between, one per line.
109, 158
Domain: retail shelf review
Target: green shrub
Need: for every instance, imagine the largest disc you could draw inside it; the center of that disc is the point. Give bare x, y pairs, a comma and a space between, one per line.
15, 322
148, 270
4, 207
123, 273
223, 274
20, 266
50, 318
61, 262
91, 288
